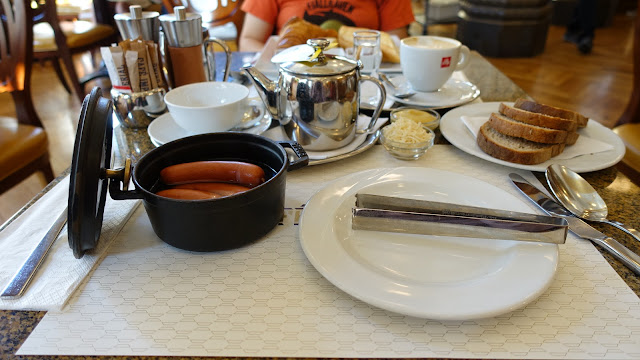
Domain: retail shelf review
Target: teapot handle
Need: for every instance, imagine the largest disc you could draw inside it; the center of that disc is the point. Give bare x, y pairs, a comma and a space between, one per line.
381, 101
209, 59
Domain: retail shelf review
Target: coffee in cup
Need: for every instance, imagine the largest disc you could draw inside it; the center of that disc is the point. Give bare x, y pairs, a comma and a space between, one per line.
428, 61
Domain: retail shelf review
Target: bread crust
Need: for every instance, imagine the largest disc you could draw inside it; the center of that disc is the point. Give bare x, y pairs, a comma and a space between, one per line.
538, 119
512, 149
533, 106
572, 137
526, 131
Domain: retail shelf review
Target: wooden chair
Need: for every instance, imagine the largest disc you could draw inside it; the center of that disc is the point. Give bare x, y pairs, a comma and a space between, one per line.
223, 17
23, 141
57, 40
628, 126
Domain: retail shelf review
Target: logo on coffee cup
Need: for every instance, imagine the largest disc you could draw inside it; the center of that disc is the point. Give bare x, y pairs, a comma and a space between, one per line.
446, 62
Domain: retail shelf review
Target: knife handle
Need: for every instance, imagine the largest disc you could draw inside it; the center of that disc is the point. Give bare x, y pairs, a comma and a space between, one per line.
633, 232
620, 252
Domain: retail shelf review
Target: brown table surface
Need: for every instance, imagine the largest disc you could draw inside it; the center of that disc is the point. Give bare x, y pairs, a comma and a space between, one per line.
620, 193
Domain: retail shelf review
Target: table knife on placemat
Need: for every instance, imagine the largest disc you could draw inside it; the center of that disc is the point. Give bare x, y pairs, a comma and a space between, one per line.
577, 226
23, 277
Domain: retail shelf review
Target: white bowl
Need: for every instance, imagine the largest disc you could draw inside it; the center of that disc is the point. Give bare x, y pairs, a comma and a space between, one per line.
207, 107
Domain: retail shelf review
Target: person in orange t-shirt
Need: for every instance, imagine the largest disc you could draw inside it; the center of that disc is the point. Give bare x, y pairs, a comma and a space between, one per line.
265, 16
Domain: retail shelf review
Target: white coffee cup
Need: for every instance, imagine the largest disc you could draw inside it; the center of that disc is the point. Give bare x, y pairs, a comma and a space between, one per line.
207, 107
428, 61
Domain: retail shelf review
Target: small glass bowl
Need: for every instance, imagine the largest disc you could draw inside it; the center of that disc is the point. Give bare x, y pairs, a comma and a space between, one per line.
433, 116
407, 151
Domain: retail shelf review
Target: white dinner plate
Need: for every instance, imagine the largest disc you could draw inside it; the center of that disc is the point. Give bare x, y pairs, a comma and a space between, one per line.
453, 93
455, 131
164, 129
433, 277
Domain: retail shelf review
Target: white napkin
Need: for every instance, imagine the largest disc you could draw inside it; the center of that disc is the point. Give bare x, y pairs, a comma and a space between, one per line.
585, 145
277, 133
61, 273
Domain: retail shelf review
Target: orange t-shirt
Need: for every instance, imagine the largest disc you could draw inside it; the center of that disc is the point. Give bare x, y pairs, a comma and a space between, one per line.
382, 15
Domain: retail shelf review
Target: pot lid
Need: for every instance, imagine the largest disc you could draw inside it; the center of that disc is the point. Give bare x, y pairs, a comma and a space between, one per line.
87, 180
309, 59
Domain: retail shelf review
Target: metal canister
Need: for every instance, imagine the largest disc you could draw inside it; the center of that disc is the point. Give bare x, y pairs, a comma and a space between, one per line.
139, 24
137, 110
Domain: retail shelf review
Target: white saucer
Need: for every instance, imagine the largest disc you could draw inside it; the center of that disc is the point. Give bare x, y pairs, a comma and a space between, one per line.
164, 129
453, 93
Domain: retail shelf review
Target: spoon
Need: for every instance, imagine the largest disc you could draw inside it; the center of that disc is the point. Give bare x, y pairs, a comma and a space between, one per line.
399, 92
579, 197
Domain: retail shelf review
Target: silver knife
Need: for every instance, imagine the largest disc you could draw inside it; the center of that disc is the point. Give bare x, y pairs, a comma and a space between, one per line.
577, 226
22, 279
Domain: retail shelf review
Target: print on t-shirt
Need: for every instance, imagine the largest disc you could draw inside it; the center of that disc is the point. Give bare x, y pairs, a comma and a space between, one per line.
329, 14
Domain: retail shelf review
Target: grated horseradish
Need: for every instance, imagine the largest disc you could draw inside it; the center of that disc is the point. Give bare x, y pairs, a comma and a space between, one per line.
406, 131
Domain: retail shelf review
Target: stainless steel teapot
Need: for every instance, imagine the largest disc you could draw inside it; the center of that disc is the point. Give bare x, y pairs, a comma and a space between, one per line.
317, 101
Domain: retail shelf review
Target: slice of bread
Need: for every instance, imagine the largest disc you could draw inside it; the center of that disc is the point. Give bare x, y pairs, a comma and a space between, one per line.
572, 137
538, 119
513, 149
511, 127
535, 107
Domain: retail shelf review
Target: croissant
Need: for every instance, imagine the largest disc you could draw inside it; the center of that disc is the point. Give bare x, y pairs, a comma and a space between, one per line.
296, 31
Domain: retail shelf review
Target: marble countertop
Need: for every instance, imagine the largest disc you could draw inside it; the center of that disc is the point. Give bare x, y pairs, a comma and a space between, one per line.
622, 196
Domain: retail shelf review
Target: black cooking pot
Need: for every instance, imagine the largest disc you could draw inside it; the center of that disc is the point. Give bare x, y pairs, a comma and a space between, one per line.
196, 225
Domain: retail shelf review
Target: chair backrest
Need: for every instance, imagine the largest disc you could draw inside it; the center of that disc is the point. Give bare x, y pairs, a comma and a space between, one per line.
631, 113
214, 12
47, 11
16, 45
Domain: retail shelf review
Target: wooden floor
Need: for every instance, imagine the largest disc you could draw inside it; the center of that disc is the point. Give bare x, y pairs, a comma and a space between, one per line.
597, 85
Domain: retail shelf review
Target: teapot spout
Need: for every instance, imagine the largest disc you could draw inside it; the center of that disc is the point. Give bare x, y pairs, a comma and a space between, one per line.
266, 88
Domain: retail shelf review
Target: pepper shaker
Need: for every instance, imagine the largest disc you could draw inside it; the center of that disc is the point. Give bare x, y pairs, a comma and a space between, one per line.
183, 33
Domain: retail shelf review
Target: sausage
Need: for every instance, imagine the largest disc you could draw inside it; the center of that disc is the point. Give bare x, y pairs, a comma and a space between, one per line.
187, 194
222, 189
238, 172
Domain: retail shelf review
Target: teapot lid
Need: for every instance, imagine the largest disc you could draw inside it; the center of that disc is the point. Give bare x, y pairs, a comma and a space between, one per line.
309, 59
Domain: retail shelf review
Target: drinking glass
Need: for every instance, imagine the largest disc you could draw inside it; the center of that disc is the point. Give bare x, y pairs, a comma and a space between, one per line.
366, 48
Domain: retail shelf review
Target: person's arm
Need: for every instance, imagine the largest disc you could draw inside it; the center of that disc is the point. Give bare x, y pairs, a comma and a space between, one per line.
399, 32
255, 33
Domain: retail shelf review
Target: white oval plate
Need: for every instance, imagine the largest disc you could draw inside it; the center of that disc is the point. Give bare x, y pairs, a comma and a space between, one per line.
433, 277
455, 131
